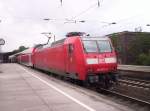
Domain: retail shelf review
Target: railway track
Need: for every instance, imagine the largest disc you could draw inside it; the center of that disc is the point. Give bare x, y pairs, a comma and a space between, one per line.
144, 85
126, 89
115, 93
133, 89
128, 82
126, 97
135, 82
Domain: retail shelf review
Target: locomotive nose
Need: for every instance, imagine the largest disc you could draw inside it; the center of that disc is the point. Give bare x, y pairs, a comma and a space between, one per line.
101, 63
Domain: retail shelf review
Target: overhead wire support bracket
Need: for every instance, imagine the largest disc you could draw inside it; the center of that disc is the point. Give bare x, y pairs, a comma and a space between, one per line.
98, 3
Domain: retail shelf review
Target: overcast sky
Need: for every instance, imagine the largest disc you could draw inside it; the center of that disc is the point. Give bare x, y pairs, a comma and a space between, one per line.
22, 20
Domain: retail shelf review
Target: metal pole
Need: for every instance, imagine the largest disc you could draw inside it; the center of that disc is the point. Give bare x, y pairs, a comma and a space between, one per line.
1, 55
0, 49
2, 42
54, 38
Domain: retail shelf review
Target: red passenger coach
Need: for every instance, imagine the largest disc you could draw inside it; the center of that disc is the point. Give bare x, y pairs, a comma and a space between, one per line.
88, 59
25, 57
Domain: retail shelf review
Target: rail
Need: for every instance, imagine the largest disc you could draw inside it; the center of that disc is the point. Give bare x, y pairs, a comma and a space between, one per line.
126, 97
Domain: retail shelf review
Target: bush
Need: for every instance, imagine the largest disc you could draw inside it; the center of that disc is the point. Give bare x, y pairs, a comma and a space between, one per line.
143, 59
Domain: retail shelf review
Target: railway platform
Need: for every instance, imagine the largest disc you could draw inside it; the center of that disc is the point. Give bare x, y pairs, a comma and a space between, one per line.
133, 71
134, 68
25, 89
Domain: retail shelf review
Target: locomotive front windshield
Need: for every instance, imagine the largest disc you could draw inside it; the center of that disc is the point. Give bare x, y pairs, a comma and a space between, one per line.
90, 46
97, 46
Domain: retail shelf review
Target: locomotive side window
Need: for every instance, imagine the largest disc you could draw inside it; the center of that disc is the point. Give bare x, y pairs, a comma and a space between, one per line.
90, 46
70, 48
104, 46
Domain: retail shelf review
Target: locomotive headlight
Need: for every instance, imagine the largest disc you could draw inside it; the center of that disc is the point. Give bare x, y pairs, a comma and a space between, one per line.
92, 60
110, 60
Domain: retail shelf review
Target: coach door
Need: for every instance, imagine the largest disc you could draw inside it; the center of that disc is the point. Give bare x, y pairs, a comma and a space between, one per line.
70, 59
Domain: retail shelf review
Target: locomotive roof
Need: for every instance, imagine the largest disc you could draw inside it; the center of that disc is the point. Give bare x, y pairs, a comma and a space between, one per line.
94, 38
61, 41
70, 34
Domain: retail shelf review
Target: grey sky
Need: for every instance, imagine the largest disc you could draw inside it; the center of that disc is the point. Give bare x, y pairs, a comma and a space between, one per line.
22, 20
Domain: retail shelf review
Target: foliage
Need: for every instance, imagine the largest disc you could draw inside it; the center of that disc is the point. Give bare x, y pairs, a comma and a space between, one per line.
20, 49
143, 59
114, 39
132, 47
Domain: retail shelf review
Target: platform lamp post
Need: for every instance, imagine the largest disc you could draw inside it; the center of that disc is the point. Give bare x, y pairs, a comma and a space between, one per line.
2, 42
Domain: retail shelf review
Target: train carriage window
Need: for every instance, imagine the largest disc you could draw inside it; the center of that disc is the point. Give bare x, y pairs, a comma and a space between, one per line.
70, 48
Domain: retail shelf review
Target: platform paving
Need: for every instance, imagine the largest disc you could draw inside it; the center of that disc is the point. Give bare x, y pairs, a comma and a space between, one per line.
23, 89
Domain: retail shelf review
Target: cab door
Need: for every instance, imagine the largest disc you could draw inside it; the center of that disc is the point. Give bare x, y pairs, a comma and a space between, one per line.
71, 63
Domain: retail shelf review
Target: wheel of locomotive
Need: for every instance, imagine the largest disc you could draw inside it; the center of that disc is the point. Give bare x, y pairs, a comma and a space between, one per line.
105, 81
33, 66
86, 83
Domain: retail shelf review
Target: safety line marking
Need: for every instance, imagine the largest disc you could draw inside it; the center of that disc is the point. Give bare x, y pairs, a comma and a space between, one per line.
60, 91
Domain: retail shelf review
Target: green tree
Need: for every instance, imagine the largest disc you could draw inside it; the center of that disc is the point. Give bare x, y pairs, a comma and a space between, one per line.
143, 59
21, 48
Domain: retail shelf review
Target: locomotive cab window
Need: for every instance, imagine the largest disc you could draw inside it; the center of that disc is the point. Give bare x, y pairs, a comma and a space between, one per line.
104, 46
70, 48
90, 46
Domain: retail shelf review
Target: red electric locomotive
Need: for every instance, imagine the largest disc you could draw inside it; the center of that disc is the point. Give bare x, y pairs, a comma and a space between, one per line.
84, 58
